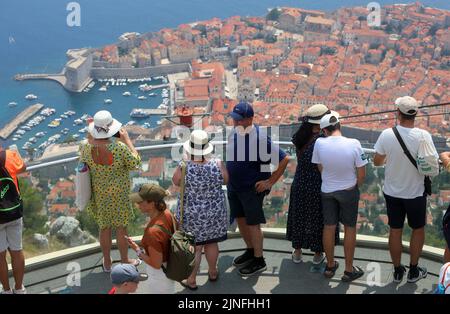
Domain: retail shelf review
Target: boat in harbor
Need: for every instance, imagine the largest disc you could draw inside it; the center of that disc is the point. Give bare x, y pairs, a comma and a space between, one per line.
31, 97
146, 125
65, 131
91, 84
162, 106
142, 97
84, 117
77, 122
103, 88
12, 104
83, 130
70, 113
64, 116
55, 123
32, 140
126, 93
108, 101
39, 134
152, 94
139, 113
48, 112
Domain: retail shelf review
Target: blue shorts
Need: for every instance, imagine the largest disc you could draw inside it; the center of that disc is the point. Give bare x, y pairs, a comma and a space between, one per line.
249, 205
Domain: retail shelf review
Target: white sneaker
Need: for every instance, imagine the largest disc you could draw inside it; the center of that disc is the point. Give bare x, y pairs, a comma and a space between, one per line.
296, 258
6, 291
318, 259
20, 291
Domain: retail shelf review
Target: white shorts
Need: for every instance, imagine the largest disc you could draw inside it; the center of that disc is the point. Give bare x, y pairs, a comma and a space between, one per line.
11, 235
157, 282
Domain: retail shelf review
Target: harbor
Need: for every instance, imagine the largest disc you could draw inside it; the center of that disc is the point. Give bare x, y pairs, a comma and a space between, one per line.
12, 126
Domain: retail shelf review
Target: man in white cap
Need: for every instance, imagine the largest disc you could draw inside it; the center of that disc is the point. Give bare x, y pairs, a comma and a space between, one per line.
342, 162
403, 188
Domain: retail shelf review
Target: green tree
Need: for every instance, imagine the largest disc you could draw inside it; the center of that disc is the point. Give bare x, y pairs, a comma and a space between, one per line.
273, 15
33, 203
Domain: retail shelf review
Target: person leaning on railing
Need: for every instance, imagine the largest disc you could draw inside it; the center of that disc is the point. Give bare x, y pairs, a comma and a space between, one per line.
111, 156
11, 221
445, 158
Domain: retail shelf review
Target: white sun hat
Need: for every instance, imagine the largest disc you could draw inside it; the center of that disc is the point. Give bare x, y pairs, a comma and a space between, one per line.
198, 144
316, 112
104, 126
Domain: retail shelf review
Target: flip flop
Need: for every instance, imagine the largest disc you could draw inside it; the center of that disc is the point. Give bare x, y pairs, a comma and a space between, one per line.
105, 270
184, 284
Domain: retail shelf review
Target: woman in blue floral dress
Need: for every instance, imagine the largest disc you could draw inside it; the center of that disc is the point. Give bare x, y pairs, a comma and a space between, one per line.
204, 209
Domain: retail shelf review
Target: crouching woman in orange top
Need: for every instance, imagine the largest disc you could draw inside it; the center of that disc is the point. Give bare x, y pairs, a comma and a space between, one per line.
155, 242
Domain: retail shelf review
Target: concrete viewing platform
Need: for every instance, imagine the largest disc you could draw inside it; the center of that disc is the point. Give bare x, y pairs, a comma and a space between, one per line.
19, 119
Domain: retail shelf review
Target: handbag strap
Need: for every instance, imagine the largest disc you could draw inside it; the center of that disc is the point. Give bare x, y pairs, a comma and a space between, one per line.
183, 188
405, 149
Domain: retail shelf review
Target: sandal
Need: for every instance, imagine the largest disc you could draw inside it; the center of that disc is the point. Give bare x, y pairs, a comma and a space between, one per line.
355, 274
186, 285
331, 271
106, 270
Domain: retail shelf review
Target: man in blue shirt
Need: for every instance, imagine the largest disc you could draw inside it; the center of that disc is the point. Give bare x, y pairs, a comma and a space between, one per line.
249, 155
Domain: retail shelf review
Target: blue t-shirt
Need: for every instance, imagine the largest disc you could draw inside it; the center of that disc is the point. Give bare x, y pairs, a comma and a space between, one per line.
249, 157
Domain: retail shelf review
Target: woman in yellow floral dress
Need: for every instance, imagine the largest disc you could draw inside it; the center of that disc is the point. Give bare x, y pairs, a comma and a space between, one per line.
111, 156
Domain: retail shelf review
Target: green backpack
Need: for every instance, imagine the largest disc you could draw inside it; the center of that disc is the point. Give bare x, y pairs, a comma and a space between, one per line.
181, 259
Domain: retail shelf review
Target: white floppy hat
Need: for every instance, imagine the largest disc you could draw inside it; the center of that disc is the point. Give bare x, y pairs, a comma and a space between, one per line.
198, 144
316, 112
104, 126
407, 105
329, 119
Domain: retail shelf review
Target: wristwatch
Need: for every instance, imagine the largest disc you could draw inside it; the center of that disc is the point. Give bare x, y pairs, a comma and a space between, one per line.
139, 252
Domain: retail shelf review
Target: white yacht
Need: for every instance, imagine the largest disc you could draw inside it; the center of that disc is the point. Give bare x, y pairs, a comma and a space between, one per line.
103, 88
77, 122
126, 93
142, 97
30, 97
108, 101
12, 104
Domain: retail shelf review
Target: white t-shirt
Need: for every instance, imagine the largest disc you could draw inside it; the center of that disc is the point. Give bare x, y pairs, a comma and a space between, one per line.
402, 179
339, 157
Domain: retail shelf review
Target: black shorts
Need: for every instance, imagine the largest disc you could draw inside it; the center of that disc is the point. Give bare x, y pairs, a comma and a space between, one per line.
414, 209
247, 204
340, 206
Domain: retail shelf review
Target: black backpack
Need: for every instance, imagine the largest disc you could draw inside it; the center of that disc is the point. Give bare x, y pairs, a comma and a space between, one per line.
11, 206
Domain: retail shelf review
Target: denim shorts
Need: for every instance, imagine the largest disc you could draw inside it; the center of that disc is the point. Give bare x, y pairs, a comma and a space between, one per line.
341, 206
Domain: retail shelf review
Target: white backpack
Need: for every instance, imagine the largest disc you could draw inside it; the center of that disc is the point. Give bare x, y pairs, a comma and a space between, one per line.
427, 162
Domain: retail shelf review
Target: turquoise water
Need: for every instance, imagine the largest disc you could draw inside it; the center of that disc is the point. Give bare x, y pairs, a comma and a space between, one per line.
41, 38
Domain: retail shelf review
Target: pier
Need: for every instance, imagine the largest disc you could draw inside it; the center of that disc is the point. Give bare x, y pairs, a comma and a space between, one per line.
159, 86
154, 112
60, 78
19, 119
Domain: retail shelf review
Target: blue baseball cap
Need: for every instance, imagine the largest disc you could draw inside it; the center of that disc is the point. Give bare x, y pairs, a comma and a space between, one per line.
241, 111
126, 273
